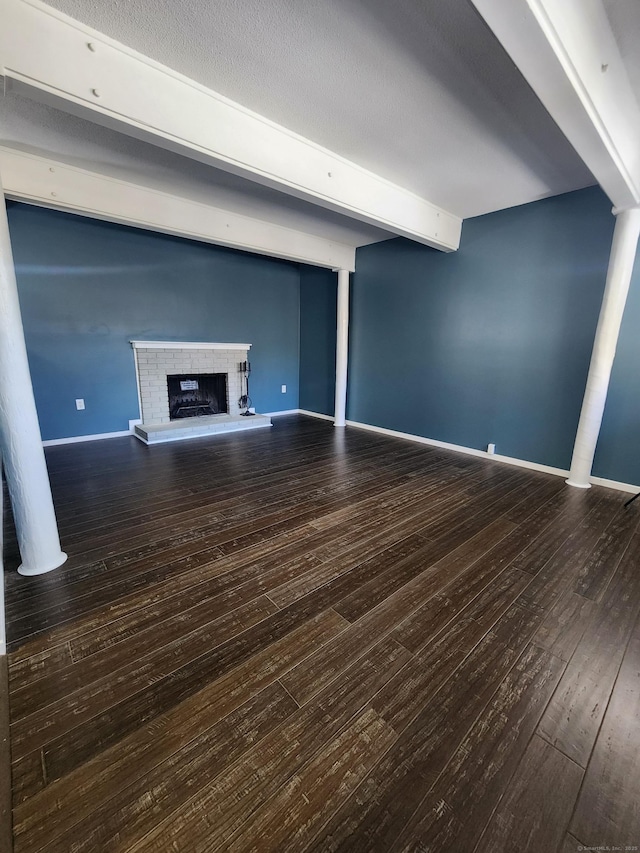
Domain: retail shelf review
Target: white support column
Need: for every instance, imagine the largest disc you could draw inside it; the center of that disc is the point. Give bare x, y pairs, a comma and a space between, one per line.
3, 625
342, 349
623, 253
23, 455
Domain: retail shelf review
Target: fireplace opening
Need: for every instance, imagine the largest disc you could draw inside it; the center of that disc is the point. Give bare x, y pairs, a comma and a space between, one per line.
193, 395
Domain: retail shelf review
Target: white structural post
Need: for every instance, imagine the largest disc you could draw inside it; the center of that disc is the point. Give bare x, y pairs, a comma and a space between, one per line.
623, 253
342, 349
23, 456
3, 625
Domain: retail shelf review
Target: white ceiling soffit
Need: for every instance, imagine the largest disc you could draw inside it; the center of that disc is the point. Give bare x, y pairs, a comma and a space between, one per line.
569, 54
121, 88
47, 182
26, 125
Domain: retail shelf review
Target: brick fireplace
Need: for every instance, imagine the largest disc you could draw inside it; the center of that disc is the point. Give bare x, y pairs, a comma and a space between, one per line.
157, 360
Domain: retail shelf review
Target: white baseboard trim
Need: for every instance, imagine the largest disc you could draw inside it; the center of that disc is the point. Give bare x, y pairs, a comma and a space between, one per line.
615, 484
94, 437
524, 463
77, 438
507, 460
315, 415
472, 451
459, 448
282, 412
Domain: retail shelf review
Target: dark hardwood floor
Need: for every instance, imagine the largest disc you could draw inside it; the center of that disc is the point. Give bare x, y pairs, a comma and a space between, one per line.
306, 639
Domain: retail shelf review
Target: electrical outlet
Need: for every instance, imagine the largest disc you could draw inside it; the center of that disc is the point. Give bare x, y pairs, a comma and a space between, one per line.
80, 405
284, 389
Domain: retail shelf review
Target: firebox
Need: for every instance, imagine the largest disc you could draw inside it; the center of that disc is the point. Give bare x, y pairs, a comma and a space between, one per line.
194, 395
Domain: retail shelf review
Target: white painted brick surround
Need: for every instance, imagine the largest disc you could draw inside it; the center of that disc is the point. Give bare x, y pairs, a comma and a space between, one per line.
154, 363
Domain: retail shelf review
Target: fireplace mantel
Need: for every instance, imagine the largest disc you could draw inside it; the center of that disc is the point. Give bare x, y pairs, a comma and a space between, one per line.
186, 345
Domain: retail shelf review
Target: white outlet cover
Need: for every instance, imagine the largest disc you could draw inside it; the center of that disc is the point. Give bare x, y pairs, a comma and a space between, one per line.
284, 389
79, 405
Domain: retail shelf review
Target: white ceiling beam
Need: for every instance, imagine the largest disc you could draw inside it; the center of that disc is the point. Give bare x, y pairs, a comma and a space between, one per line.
53, 58
44, 181
567, 52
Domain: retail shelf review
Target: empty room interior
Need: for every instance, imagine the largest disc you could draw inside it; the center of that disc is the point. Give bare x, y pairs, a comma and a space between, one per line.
320, 426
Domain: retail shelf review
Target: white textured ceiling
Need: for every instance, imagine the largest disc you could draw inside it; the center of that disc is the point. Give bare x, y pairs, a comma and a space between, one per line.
624, 17
419, 91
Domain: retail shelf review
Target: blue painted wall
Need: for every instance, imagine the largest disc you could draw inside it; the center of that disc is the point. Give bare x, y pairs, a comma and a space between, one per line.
618, 451
88, 287
488, 344
318, 309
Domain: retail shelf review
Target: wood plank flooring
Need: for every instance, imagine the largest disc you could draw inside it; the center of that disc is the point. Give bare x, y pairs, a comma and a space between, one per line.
308, 639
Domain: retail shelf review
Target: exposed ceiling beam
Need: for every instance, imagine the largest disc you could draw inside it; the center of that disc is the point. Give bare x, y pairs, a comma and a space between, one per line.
53, 58
47, 182
567, 52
